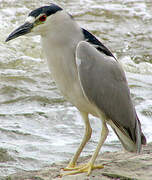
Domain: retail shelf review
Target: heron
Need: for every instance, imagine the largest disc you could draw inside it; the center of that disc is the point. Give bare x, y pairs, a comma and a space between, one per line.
89, 76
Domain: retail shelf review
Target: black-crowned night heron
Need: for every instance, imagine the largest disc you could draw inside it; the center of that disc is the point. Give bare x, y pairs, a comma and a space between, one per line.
89, 76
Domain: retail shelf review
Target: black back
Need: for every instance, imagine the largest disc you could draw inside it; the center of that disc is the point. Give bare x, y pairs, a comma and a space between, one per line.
93, 40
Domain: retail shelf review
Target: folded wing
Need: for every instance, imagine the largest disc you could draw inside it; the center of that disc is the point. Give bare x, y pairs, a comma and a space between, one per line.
104, 83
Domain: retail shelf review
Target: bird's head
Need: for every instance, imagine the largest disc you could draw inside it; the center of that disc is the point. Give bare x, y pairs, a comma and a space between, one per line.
37, 22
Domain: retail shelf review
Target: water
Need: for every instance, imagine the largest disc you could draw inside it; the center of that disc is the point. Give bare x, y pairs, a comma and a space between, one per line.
37, 126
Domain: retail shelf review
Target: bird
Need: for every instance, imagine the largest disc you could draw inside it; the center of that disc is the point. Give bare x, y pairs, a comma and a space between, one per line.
89, 76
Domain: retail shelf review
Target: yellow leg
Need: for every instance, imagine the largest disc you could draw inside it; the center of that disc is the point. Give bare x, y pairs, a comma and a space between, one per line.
90, 165
87, 136
103, 136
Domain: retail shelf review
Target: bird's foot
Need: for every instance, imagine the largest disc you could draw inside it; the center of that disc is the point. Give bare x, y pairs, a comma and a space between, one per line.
81, 169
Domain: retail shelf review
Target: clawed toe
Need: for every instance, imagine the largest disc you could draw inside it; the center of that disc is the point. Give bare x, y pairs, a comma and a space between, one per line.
81, 169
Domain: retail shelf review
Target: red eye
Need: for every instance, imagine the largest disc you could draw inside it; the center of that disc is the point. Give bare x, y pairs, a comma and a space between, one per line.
42, 18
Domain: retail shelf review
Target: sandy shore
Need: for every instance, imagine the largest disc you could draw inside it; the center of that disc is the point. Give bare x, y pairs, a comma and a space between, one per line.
118, 166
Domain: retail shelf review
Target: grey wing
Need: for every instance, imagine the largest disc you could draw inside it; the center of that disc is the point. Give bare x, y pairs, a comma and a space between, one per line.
104, 83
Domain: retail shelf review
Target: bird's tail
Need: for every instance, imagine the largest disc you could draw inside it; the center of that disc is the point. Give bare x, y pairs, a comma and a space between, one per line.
143, 138
130, 144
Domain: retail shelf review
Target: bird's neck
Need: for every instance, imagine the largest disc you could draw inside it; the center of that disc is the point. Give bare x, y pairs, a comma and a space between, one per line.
63, 32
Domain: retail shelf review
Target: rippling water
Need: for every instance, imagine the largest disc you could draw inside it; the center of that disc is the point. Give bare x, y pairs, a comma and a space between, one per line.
37, 126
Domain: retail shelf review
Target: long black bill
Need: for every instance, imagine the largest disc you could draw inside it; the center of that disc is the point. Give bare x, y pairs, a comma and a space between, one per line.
22, 30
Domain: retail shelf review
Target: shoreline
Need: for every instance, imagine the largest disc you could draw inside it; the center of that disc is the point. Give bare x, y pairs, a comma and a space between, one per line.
119, 165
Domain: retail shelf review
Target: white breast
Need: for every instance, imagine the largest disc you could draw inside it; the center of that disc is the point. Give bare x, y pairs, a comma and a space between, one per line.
59, 48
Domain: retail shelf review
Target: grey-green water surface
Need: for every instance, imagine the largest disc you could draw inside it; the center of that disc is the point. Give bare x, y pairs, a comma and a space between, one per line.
37, 126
